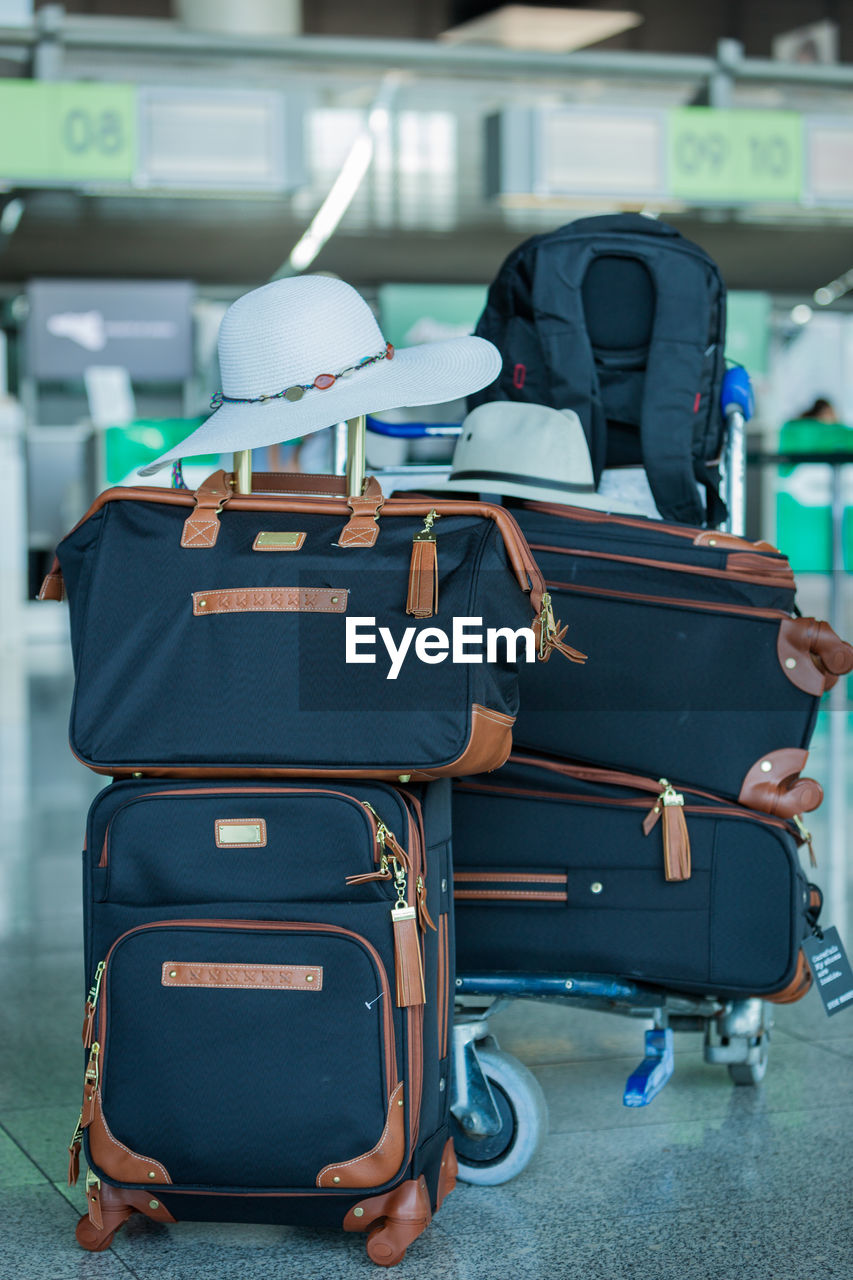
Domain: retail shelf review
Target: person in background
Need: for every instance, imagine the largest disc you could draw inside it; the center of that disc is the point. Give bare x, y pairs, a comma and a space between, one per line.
821, 411
816, 429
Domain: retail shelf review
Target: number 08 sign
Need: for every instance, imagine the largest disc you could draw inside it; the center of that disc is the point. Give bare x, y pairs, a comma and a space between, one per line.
740, 156
76, 132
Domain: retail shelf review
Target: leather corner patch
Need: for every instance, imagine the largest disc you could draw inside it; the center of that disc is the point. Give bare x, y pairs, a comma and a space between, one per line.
240, 977
240, 833
273, 541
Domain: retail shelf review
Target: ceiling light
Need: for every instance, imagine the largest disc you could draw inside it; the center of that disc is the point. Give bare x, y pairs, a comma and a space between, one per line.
801, 314
516, 26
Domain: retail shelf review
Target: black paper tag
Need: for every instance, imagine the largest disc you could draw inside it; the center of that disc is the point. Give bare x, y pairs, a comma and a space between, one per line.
831, 968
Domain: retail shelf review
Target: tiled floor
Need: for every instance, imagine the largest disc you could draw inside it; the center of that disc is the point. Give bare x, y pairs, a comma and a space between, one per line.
708, 1181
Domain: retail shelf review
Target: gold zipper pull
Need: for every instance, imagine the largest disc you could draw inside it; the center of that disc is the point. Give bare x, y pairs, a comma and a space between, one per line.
90, 1087
422, 600
424, 918
805, 837
91, 1005
408, 963
74, 1152
93, 1200
550, 633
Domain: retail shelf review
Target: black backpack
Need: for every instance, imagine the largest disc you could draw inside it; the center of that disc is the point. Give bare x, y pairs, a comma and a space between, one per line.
623, 320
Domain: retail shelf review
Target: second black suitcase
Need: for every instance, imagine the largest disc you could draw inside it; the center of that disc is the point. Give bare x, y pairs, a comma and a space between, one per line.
698, 670
561, 868
265, 1041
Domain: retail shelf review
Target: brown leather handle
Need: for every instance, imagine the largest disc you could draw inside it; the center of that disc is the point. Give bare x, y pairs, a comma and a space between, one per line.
773, 784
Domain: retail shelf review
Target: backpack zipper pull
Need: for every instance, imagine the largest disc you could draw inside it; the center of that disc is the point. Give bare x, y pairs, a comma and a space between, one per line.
676, 840
74, 1152
805, 837
91, 1005
549, 634
408, 964
422, 600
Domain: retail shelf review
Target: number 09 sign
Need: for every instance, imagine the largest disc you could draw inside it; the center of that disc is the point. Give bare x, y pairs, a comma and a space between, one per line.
737, 156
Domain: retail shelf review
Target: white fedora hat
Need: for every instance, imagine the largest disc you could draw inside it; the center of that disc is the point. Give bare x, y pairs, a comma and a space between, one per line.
303, 353
526, 451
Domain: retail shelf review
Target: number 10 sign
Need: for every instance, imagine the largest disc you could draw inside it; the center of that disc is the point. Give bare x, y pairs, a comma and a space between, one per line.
735, 155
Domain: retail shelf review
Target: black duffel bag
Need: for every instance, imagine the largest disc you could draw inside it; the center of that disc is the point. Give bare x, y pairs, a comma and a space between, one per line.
210, 631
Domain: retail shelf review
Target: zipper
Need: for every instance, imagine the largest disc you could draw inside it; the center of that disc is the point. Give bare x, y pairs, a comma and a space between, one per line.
739, 610
775, 577
370, 813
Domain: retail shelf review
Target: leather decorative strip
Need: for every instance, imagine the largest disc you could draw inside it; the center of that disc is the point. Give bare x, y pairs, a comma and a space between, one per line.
505, 887
239, 977
270, 600
240, 833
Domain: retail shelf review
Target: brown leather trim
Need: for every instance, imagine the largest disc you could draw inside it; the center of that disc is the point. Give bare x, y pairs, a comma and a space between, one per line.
443, 992
770, 569
447, 1174
773, 784
405, 1212
270, 600
488, 746
288, 926
797, 987
53, 587
222, 825
720, 810
522, 877
740, 610
201, 527
381, 1162
747, 574
306, 484
510, 895
294, 545
717, 538
700, 538
241, 977
115, 1159
520, 556
811, 655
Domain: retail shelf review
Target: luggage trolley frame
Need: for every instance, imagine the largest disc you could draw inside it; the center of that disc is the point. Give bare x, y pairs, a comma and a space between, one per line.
499, 1115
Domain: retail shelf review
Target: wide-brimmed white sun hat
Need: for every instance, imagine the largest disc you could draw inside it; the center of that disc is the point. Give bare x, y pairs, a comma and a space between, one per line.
526, 451
303, 353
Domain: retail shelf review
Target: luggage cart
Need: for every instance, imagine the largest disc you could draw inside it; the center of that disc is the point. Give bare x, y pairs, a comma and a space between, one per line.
498, 1110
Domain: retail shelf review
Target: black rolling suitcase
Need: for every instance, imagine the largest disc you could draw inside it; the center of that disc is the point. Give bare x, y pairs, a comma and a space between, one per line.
266, 1032
699, 670
561, 868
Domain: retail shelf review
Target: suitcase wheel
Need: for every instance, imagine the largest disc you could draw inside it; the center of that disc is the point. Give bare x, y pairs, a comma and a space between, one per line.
90, 1238
491, 1159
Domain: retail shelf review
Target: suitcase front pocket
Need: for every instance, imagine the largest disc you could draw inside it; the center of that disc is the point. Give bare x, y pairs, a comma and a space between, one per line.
245, 1054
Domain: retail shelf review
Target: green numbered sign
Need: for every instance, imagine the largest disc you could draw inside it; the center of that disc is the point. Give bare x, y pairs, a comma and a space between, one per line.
67, 133
737, 156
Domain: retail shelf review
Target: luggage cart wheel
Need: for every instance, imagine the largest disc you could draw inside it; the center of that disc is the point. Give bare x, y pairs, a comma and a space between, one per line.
492, 1158
751, 1072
